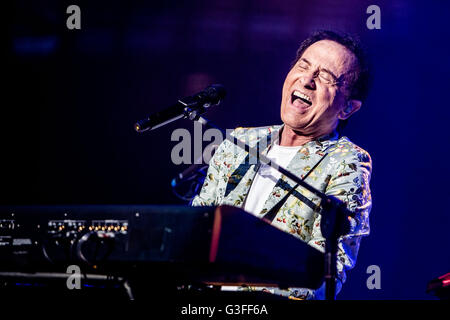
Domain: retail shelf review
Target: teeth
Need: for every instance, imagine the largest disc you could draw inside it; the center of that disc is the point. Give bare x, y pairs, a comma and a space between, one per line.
302, 96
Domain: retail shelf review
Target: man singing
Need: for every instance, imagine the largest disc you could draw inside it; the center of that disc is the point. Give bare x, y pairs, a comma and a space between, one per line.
326, 85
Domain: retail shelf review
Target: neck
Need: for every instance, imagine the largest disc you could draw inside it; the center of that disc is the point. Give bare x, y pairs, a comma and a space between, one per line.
291, 138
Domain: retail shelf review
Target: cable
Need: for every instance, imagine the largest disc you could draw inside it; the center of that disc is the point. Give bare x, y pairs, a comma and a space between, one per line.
85, 238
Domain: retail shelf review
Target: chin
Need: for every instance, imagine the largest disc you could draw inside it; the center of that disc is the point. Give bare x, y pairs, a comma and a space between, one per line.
293, 122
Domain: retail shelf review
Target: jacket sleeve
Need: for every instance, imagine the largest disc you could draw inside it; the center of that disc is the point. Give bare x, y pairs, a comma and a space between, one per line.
349, 183
208, 194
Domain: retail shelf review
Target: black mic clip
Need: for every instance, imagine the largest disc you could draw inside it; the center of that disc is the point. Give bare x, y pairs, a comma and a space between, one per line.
192, 108
197, 104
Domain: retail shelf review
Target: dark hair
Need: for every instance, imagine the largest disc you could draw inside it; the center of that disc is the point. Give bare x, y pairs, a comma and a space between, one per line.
360, 80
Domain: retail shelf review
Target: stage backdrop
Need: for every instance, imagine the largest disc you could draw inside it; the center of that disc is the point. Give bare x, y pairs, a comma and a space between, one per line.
71, 98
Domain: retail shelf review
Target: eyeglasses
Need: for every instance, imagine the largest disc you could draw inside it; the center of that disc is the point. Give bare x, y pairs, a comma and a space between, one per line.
324, 76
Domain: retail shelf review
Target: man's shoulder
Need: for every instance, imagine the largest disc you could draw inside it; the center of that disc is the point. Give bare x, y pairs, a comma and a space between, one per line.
345, 148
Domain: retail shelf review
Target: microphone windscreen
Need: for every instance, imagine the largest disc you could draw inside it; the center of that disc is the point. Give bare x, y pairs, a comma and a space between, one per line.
214, 93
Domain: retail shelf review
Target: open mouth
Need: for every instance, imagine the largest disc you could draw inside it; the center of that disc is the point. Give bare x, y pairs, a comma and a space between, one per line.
297, 95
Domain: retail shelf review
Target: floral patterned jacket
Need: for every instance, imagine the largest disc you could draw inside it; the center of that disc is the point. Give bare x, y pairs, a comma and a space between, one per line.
344, 173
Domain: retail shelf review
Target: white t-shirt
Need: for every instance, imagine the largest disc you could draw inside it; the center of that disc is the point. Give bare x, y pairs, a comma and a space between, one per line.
267, 177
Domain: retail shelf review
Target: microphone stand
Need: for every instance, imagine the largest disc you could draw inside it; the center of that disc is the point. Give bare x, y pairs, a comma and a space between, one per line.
335, 214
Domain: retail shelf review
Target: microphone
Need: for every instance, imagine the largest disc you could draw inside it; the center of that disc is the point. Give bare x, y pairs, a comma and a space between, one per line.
189, 107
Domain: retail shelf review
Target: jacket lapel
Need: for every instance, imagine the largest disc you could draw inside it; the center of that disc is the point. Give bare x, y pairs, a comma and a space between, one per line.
300, 165
241, 178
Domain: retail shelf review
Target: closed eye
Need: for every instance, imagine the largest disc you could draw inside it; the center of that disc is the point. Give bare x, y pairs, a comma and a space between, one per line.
303, 65
326, 76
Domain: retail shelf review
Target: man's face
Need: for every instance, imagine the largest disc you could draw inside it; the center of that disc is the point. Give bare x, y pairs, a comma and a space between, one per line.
311, 101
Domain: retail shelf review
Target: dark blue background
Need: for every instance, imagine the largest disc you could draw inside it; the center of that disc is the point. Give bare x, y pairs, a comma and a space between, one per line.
71, 98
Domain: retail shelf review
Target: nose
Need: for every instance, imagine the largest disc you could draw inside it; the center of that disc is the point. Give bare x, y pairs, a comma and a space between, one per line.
307, 81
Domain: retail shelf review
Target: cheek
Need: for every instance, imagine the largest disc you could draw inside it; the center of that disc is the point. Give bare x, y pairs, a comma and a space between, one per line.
327, 99
290, 78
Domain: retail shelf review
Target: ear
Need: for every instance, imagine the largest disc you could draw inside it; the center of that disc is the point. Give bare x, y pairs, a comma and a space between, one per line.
351, 108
